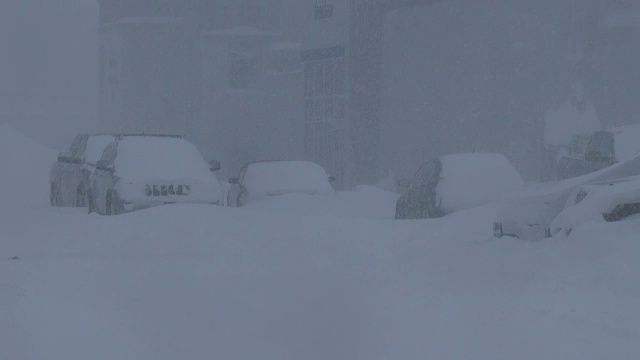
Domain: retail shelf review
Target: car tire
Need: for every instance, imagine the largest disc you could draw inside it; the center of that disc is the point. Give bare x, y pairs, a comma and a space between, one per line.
54, 196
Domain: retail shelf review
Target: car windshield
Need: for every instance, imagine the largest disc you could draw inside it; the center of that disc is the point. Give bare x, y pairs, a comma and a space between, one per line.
95, 146
152, 158
277, 177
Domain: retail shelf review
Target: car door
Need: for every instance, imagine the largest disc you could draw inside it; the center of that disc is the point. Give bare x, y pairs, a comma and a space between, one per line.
103, 180
237, 191
68, 172
422, 192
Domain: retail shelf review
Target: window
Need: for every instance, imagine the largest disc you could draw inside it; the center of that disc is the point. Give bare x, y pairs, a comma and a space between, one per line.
324, 89
244, 68
323, 9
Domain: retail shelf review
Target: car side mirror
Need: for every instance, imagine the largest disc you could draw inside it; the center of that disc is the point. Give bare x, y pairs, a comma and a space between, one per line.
332, 179
66, 158
234, 181
404, 183
214, 165
104, 165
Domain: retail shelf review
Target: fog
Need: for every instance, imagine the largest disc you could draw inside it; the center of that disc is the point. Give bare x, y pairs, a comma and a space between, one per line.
475, 192
456, 76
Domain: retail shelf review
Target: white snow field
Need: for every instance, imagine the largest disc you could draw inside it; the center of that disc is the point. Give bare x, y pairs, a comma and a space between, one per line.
340, 280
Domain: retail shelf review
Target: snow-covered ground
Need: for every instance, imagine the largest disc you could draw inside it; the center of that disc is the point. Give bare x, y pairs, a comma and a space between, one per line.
295, 279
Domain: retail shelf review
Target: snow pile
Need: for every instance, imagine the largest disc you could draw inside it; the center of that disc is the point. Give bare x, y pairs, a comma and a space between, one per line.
570, 120
144, 159
283, 177
24, 166
206, 282
587, 204
469, 180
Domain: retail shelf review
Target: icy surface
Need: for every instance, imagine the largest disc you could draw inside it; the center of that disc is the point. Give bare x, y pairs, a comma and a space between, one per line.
142, 159
474, 179
203, 282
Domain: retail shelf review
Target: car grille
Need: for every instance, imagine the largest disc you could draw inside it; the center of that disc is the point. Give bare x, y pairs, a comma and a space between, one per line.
166, 190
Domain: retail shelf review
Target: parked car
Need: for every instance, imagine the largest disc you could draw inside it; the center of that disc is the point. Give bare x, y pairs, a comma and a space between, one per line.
528, 214
456, 182
137, 172
69, 175
605, 148
602, 202
259, 180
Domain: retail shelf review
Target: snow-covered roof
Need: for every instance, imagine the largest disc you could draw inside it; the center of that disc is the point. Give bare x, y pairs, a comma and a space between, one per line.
241, 32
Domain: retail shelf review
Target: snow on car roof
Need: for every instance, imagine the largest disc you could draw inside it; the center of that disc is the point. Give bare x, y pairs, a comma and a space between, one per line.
95, 147
473, 179
276, 177
627, 141
141, 159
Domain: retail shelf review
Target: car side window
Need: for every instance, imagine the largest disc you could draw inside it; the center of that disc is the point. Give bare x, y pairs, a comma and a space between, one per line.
109, 153
243, 171
75, 145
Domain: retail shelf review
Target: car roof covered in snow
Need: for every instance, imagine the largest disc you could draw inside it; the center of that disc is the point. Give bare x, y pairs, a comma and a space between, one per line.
473, 179
278, 177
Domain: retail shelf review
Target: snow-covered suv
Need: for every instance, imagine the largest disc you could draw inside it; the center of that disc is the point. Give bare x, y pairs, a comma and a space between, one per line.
137, 172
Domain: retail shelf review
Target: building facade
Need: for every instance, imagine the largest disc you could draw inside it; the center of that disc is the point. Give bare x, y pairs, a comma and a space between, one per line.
214, 70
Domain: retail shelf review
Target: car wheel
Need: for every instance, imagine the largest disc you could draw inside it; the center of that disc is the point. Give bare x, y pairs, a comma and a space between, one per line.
81, 197
54, 196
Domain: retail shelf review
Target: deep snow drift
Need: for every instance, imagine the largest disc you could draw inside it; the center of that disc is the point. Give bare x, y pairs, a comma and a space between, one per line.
276, 282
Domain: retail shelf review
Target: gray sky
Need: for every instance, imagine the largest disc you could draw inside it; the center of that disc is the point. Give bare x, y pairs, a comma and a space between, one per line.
48, 66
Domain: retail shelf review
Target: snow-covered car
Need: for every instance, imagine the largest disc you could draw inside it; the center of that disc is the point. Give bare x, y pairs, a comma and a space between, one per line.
528, 214
69, 175
263, 179
605, 148
137, 172
607, 201
456, 182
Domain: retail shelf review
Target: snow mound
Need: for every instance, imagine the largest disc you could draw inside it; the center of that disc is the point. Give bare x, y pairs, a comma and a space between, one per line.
25, 164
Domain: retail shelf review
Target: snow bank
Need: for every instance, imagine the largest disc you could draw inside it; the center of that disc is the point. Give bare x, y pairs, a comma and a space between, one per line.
203, 282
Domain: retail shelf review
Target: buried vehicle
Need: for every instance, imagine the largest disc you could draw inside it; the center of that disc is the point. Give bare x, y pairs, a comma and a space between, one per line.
528, 215
607, 201
456, 182
263, 179
69, 175
137, 172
